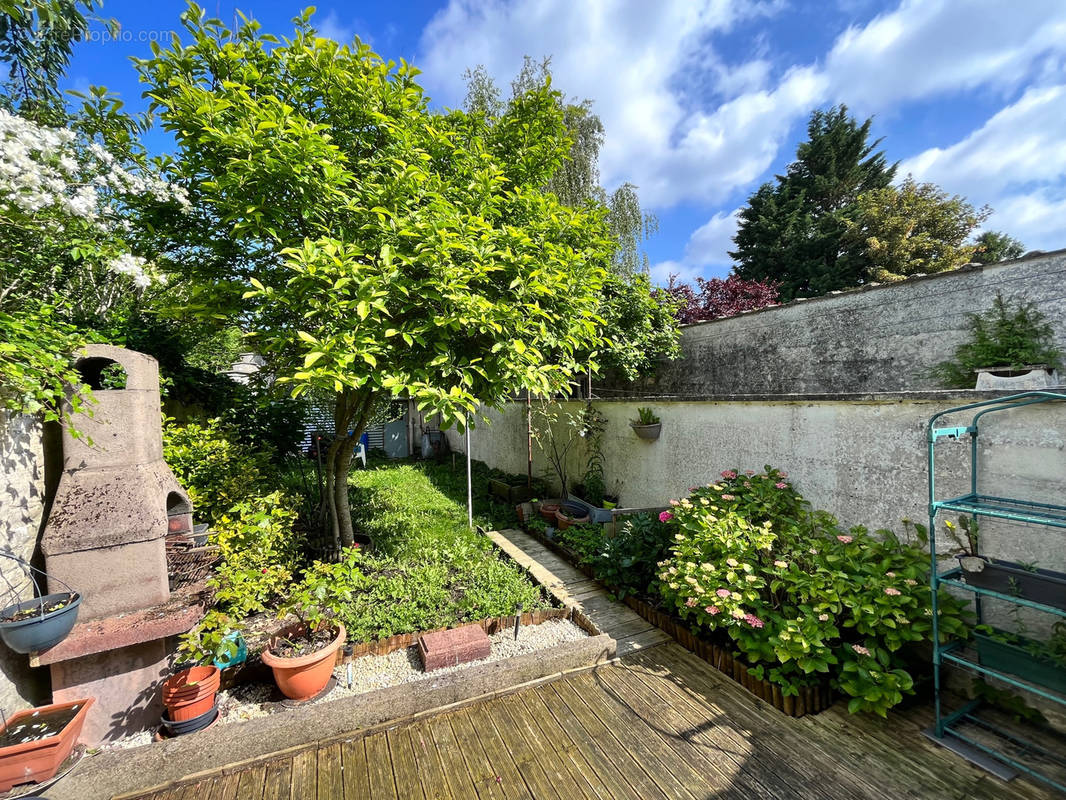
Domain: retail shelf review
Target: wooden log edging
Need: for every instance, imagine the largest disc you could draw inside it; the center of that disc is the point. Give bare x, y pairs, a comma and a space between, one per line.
810, 700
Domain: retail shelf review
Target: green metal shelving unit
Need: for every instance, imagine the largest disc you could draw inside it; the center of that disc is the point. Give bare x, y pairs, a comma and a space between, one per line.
955, 729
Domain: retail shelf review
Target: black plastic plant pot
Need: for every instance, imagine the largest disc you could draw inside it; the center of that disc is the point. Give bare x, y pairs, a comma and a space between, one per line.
191, 725
1017, 660
39, 632
1007, 577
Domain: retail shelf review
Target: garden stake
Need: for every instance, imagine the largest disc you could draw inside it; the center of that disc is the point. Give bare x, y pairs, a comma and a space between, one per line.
517, 621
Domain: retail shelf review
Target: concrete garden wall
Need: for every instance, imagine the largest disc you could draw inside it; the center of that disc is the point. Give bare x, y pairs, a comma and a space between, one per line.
861, 457
22, 497
875, 339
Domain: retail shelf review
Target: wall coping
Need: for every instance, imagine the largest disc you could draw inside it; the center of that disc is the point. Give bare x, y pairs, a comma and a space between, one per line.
873, 287
964, 396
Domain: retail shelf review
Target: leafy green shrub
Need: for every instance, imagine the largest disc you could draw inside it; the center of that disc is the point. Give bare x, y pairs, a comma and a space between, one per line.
216, 471
378, 596
1006, 336
798, 597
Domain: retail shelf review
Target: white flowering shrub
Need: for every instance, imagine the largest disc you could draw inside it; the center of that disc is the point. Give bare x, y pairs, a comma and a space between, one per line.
68, 214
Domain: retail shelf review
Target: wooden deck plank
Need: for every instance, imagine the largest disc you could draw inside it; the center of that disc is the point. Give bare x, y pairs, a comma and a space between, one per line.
404, 768
250, 786
356, 777
304, 779
379, 765
557, 770
277, 785
456, 774
562, 745
602, 762
495, 730
430, 770
225, 787
499, 755
483, 773
330, 773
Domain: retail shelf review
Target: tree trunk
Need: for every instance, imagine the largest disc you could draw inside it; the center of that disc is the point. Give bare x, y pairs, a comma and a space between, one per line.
350, 416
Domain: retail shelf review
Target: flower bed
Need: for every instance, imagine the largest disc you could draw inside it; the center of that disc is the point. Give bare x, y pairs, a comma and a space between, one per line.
777, 594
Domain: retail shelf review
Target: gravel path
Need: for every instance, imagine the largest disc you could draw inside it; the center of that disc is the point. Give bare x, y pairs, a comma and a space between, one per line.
368, 673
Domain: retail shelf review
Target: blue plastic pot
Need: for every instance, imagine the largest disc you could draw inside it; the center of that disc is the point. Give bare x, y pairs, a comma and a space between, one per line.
39, 632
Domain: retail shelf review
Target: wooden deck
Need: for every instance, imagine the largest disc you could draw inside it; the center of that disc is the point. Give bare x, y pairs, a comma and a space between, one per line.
659, 724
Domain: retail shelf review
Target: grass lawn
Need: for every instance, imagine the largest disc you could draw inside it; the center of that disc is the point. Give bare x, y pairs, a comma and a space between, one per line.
427, 569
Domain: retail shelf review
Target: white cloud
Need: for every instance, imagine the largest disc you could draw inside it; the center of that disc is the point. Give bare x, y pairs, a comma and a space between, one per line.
930, 47
687, 127
628, 57
331, 27
1015, 162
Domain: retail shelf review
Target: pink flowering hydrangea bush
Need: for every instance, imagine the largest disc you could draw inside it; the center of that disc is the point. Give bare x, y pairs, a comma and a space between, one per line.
800, 599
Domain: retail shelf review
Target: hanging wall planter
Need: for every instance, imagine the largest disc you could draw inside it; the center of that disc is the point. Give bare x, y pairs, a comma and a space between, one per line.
42, 621
647, 426
35, 742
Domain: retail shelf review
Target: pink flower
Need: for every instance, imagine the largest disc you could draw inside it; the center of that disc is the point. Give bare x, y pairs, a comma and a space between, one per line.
674, 503
890, 574
712, 610
823, 618
749, 472
692, 489
722, 593
891, 591
264, 570
747, 484
665, 516
862, 651
780, 564
781, 485
911, 582
691, 602
845, 539
783, 474
729, 474
728, 497
753, 620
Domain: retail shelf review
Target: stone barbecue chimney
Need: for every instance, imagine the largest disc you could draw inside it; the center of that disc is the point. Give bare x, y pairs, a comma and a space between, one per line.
105, 536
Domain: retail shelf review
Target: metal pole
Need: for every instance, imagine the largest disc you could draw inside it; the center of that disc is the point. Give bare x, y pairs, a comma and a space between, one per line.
529, 440
469, 483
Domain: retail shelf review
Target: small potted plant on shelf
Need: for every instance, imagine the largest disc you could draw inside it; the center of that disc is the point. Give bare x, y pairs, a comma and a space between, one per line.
302, 655
1039, 662
647, 425
968, 556
35, 742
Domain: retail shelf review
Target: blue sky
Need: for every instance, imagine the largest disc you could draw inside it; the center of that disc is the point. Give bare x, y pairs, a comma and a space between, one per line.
705, 99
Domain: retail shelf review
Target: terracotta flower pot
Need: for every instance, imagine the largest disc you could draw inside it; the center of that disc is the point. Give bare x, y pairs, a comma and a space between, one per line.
191, 692
37, 760
303, 677
547, 510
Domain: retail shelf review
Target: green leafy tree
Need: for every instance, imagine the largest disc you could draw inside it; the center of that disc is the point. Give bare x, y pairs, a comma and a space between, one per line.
382, 249
994, 246
37, 38
640, 323
913, 229
794, 231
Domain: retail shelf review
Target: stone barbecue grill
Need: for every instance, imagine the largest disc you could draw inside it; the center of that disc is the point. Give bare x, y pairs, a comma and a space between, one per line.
106, 537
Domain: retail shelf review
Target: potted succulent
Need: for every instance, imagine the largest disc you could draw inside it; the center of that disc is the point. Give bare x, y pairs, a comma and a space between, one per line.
1006, 577
35, 742
302, 655
647, 425
190, 694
